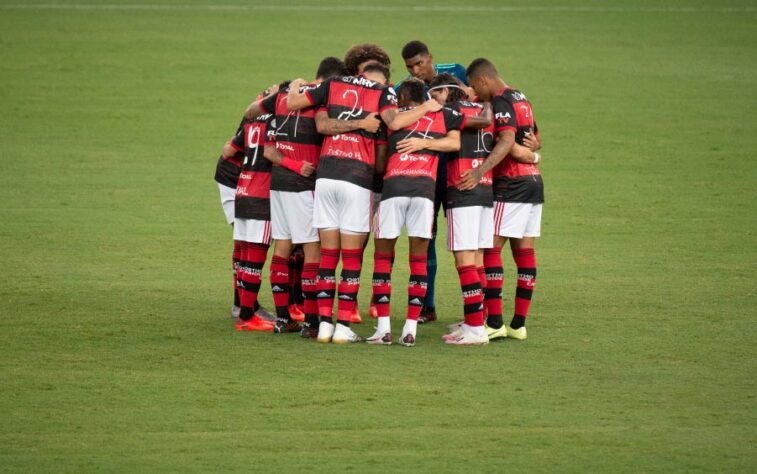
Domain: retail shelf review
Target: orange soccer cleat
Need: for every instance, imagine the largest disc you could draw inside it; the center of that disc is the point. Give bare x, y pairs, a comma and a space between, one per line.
254, 324
296, 313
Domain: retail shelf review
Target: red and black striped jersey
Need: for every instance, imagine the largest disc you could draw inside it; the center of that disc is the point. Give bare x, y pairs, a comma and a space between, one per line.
350, 156
254, 186
414, 174
228, 169
296, 138
515, 181
475, 146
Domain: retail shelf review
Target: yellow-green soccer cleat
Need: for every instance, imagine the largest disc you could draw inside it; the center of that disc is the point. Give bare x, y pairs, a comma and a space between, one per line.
493, 334
519, 334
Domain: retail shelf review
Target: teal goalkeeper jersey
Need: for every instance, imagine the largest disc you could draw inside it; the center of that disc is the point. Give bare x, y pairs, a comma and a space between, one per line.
455, 69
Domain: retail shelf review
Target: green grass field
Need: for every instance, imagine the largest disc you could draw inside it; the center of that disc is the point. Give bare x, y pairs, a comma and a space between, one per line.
116, 349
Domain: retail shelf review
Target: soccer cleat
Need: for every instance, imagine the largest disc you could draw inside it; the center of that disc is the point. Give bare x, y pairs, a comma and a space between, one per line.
263, 313
407, 340
499, 333
454, 327
380, 338
373, 312
254, 324
355, 317
286, 326
427, 315
519, 334
325, 332
343, 335
455, 333
235, 310
308, 332
296, 313
468, 338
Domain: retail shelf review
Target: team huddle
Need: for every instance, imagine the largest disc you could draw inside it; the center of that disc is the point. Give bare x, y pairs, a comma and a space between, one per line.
316, 166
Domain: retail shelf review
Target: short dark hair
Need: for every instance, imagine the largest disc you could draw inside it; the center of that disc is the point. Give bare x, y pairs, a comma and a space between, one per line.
414, 48
378, 67
360, 53
447, 79
330, 67
411, 90
481, 67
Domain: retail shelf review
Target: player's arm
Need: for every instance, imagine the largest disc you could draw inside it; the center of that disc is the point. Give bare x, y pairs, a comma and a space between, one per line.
331, 126
533, 140
471, 177
481, 121
398, 120
234, 145
297, 99
273, 155
254, 110
448, 143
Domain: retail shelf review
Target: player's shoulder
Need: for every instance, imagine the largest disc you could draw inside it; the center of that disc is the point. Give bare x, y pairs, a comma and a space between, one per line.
514, 95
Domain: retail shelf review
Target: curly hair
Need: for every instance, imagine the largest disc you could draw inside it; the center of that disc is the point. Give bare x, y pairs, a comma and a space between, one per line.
358, 54
447, 79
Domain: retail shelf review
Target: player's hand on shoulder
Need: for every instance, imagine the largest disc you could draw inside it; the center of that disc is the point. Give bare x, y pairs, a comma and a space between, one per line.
307, 169
432, 106
371, 123
271, 90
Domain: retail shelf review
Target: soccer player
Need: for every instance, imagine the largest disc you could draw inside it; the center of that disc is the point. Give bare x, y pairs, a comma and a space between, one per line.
227, 176
420, 64
343, 186
298, 147
407, 200
518, 190
252, 225
469, 213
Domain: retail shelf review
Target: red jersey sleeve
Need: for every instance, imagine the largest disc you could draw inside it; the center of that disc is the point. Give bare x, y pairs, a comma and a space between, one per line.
388, 99
238, 141
268, 104
504, 115
453, 120
319, 95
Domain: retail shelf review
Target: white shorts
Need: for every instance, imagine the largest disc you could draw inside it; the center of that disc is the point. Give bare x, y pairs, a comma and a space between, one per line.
252, 230
292, 217
342, 205
517, 219
470, 228
416, 214
227, 201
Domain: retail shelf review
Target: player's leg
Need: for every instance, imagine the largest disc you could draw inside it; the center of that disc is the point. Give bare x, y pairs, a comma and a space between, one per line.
312, 255
383, 258
296, 299
255, 235
326, 220
416, 288
235, 257
524, 256
280, 288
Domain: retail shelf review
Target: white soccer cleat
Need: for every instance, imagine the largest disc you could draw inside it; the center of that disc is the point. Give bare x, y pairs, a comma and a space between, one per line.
455, 333
408, 340
469, 338
454, 327
325, 332
380, 338
343, 335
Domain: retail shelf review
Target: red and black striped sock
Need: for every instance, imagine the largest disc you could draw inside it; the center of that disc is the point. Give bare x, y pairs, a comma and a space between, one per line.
349, 284
309, 274
493, 291
250, 268
525, 260
296, 262
382, 282
235, 255
280, 286
326, 283
417, 286
473, 297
